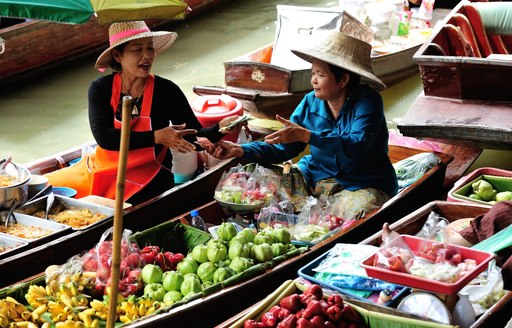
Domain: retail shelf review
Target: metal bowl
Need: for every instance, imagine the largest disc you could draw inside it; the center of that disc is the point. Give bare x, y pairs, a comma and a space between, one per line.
17, 193
239, 208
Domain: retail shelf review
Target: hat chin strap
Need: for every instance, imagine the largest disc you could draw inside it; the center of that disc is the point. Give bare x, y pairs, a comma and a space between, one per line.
125, 34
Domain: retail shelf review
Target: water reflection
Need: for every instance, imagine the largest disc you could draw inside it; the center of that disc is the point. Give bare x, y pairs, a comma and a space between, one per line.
48, 114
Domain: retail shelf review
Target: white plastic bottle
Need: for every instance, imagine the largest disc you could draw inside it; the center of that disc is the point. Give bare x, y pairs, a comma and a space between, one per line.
197, 221
463, 313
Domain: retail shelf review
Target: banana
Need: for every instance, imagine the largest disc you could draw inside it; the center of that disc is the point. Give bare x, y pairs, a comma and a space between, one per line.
40, 309
26, 315
125, 319
4, 321
46, 325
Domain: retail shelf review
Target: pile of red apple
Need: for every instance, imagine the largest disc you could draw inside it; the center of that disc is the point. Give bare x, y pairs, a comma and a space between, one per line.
309, 310
132, 260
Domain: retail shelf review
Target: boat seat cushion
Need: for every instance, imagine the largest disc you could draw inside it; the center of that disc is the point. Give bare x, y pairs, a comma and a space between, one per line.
496, 16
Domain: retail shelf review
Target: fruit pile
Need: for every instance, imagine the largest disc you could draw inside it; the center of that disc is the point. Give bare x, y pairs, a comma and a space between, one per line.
308, 310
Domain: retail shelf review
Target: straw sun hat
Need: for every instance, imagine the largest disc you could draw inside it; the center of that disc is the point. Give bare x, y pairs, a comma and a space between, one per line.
122, 32
346, 52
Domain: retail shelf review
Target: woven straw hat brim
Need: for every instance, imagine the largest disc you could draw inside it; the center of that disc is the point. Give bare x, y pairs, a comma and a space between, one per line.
161, 41
346, 52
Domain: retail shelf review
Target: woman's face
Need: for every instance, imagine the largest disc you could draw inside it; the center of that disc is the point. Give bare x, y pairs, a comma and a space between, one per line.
324, 83
137, 57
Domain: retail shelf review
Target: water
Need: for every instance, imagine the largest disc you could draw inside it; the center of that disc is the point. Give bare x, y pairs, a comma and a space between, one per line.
48, 114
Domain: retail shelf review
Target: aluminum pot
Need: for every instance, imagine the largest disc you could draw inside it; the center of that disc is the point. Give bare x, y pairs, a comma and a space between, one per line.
17, 193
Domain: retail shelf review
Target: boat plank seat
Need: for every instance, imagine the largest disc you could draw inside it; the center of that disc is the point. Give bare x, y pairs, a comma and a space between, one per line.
458, 44
463, 23
490, 20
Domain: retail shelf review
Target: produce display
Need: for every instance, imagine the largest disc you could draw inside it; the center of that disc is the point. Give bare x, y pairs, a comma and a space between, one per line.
241, 186
485, 191
152, 279
308, 310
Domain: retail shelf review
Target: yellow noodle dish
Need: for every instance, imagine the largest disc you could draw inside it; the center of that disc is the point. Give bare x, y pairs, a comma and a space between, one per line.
76, 218
7, 180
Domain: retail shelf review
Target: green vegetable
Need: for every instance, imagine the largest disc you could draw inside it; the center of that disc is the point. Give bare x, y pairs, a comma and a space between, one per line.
240, 264
263, 237
200, 253
172, 280
475, 196
217, 252
262, 252
504, 196
191, 284
247, 234
222, 274
205, 271
187, 265
155, 291
226, 231
282, 235
483, 189
172, 296
239, 250
278, 249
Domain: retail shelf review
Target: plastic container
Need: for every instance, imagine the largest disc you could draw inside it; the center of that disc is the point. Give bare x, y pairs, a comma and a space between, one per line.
64, 191
405, 279
463, 313
184, 166
197, 221
500, 179
307, 272
211, 109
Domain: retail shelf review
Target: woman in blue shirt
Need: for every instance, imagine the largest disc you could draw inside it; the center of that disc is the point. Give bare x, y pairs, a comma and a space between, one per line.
342, 120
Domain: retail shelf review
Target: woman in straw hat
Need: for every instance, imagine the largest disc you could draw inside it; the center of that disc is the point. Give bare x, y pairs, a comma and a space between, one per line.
156, 103
342, 120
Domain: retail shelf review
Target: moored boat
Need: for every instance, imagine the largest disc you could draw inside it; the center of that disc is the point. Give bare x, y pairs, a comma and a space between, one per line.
267, 86
228, 301
463, 66
34, 46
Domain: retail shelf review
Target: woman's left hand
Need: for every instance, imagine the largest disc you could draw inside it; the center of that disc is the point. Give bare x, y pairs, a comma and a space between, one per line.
225, 122
291, 132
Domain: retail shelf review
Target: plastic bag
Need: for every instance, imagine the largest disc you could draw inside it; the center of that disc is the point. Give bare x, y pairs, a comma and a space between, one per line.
412, 168
130, 263
394, 254
243, 136
262, 186
232, 184
486, 289
277, 214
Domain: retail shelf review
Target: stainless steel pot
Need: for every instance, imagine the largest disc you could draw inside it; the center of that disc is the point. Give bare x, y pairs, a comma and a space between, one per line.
17, 193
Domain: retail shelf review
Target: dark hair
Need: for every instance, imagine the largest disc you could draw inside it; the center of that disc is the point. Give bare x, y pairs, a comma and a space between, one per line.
115, 65
338, 74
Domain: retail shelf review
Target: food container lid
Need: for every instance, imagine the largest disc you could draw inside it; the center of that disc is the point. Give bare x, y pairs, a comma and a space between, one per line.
215, 105
426, 306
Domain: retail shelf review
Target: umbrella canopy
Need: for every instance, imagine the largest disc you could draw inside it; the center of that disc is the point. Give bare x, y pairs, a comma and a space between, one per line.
80, 11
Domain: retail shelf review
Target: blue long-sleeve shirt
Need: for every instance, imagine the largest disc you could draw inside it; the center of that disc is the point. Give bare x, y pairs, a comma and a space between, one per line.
352, 148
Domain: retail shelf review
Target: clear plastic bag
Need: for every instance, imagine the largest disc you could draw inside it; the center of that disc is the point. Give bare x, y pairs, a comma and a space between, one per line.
130, 264
394, 254
412, 168
232, 184
262, 186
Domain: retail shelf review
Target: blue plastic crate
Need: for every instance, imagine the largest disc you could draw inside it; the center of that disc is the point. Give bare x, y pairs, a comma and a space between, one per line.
307, 272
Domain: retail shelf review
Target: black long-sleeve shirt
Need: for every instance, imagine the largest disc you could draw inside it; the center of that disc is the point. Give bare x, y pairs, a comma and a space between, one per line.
168, 104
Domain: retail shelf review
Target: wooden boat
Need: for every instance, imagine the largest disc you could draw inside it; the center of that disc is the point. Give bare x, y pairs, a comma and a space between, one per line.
411, 224
500, 313
267, 88
34, 46
463, 70
213, 307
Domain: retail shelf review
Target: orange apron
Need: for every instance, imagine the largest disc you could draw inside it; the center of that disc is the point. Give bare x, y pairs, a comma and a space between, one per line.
96, 174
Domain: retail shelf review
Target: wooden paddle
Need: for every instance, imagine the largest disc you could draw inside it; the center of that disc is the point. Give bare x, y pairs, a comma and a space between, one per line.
118, 214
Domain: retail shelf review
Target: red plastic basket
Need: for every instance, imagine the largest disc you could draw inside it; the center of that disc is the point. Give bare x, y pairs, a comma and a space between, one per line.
405, 279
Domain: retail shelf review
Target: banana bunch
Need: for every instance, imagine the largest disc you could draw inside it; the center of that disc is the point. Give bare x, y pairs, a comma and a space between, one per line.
100, 309
87, 318
14, 314
36, 296
134, 308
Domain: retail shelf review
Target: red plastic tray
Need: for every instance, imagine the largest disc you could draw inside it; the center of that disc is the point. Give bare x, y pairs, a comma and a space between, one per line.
405, 279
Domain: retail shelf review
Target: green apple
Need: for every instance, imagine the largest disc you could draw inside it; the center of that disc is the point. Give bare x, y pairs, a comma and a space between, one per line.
172, 280
155, 291
172, 296
151, 273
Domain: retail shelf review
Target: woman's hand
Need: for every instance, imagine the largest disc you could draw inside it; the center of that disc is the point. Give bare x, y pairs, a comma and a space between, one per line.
172, 137
225, 122
291, 132
225, 149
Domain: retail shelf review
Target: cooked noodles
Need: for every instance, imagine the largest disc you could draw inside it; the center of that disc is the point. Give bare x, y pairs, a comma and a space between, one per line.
25, 231
7, 180
76, 218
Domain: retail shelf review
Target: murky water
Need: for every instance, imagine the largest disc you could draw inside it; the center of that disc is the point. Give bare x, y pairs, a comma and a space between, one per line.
49, 114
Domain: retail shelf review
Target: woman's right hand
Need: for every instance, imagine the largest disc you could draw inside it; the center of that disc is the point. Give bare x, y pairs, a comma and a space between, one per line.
225, 149
172, 137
